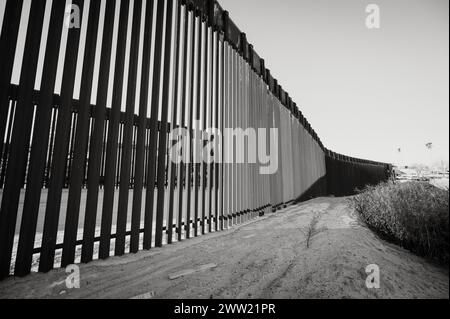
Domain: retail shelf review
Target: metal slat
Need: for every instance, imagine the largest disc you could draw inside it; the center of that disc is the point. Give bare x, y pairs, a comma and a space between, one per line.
214, 211
162, 147
174, 177
218, 118
202, 165
197, 167
149, 203
114, 127
190, 166
182, 167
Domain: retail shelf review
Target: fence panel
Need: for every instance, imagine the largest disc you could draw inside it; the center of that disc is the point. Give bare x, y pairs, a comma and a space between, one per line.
99, 178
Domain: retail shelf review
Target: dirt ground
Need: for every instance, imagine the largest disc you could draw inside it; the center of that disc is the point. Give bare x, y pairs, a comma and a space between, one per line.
265, 258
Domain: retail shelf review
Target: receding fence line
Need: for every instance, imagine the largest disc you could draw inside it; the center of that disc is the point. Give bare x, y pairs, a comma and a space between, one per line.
80, 181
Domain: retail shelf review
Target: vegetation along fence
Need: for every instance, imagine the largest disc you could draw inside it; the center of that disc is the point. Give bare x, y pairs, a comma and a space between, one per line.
90, 92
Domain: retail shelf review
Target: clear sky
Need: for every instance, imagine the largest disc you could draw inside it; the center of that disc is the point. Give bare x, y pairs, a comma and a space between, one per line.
367, 93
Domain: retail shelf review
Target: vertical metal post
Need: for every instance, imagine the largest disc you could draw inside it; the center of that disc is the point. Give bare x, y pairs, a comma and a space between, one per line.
113, 134
172, 165
182, 184
154, 128
162, 147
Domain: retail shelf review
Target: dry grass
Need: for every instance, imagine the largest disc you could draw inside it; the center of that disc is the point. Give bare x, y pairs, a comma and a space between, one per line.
311, 230
414, 215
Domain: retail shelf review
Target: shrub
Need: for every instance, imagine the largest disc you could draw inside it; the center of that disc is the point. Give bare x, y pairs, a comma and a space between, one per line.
413, 215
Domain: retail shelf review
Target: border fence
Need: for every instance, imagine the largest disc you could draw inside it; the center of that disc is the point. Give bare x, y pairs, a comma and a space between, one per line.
85, 169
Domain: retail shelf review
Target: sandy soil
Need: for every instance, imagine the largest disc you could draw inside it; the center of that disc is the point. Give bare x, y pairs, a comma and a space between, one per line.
266, 258
62, 220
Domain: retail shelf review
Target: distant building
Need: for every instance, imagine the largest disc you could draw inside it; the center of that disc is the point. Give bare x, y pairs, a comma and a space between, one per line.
407, 174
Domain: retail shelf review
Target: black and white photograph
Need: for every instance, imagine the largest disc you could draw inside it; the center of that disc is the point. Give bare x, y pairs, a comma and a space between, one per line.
224, 155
